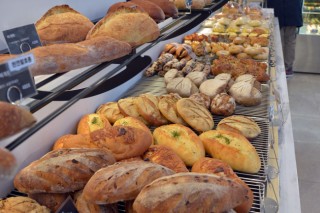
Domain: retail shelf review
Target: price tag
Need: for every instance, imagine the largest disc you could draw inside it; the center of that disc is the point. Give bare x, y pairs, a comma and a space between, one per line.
16, 81
67, 206
22, 39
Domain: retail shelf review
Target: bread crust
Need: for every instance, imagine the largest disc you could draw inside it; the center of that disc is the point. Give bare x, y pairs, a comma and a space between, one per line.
152, 9
21, 204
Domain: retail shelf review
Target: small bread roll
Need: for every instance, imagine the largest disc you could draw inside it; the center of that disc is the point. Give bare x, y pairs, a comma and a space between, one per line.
239, 40
243, 56
110, 111
235, 49
201, 98
254, 50
22, 204
222, 53
254, 23
91, 122
167, 106
127, 107
223, 104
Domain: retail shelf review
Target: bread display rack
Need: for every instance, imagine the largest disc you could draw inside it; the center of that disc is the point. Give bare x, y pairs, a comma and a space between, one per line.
75, 94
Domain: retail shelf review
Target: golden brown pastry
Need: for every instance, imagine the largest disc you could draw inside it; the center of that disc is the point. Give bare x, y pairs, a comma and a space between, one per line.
201, 98
190, 192
122, 181
110, 111
128, 25
91, 122
62, 24
245, 94
165, 156
182, 140
196, 115
232, 148
223, 104
62, 171
240, 124
51, 200
168, 7
222, 169
167, 106
73, 141
21, 204
127, 107
13, 119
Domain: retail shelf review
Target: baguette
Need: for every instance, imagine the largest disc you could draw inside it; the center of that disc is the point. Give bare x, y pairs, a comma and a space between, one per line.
62, 171
190, 192
13, 119
122, 181
152, 9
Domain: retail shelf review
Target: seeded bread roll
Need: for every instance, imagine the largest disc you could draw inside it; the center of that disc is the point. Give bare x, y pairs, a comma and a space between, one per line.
167, 106
21, 204
122, 181
62, 171
190, 192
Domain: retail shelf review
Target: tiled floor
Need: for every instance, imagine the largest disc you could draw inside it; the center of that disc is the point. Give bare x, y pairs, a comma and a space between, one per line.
304, 98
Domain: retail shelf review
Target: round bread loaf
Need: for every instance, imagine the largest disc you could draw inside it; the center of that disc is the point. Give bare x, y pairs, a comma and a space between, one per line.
223, 104
201, 98
91, 122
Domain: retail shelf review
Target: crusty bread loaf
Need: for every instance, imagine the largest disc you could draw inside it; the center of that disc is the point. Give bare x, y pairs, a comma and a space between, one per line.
8, 163
83, 206
223, 104
110, 111
232, 148
165, 156
13, 119
62, 24
128, 25
182, 140
21, 204
222, 169
128, 4
51, 200
62, 171
240, 124
91, 122
168, 7
152, 9
73, 141
190, 192
122, 181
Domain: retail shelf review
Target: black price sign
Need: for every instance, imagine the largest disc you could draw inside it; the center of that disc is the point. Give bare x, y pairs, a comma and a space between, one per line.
67, 206
16, 81
22, 39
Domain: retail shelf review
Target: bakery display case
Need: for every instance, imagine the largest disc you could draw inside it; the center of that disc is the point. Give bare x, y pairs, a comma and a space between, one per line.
64, 98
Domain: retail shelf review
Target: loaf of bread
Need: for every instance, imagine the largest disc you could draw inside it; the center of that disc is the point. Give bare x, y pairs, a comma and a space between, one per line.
190, 192
62, 24
168, 7
152, 9
167, 107
8, 163
62, 171
73, 141
232, 148
13, 119
21, 204
128, 25
182, 140
52, 201
245, 94
128, 107
240, 124
222, 169
223, 104
128, 4
122, 181
91, 122
165, 156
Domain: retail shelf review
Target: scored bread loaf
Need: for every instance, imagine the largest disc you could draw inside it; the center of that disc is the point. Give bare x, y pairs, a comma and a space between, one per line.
152, 9
165, 156
51, 200
122, 181
190, 192
62, 24
21, 204
128, 25
222, 169
13, 119
167, 106
182, 140
62, 171
110, 111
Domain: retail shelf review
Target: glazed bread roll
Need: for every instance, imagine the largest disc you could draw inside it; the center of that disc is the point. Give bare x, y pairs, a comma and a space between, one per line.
241, 125
51, 200
190, 192
165, 156
91, 122
110, 111
62, 171
21, 204
62, 24
128, 25
182, 140
233, 149
13, 119
222, 169
168, 7
152, 9
122, 181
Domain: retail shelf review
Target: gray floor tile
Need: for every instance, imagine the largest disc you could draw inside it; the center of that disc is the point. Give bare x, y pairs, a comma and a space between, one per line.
306, 128
308, 161
309, 193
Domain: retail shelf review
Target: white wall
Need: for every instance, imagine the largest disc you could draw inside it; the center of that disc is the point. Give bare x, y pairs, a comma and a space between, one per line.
16, 13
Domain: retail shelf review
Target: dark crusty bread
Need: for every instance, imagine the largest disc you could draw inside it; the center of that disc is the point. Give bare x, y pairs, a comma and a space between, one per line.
119, 5
62, 171
13, 119
222, 169
21, 204
168, 7
51, 200
152, 9
62, 24
122, 181
190, 192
